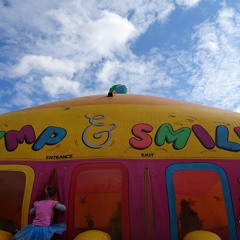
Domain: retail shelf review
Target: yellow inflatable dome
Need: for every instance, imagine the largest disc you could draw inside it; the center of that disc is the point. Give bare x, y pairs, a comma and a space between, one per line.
93, 235
201, 235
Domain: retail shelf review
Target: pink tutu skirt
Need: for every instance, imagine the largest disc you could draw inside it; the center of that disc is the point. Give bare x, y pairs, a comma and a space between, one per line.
31, 232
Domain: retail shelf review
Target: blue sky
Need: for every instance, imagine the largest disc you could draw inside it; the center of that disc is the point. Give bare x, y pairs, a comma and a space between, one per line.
181, 49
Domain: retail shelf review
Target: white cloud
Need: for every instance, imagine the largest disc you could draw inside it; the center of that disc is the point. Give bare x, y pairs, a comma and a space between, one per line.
108, 34
23, 92
99, 36
75, 26
217, 57
43, 63
228, 21
56, 85
108, 72
188, 3
140, 12
141, 75
237, 109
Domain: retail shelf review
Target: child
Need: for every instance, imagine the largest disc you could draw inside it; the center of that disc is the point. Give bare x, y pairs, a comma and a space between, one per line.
41, 227
189, 220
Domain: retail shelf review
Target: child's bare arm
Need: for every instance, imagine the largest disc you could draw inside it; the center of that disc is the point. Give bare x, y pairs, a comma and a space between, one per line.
32, 211
60, 207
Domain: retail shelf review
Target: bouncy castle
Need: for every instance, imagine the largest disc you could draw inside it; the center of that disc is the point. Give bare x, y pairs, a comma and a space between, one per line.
132, 166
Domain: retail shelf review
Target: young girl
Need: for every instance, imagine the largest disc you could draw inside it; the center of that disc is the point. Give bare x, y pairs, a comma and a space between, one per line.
189, 219
41, 227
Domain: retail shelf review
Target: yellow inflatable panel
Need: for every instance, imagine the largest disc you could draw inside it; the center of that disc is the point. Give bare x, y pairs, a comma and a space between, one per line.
5, 235
201, 235
93, 235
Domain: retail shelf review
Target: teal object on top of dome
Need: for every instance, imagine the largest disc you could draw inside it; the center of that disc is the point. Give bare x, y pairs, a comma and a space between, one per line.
118, 89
